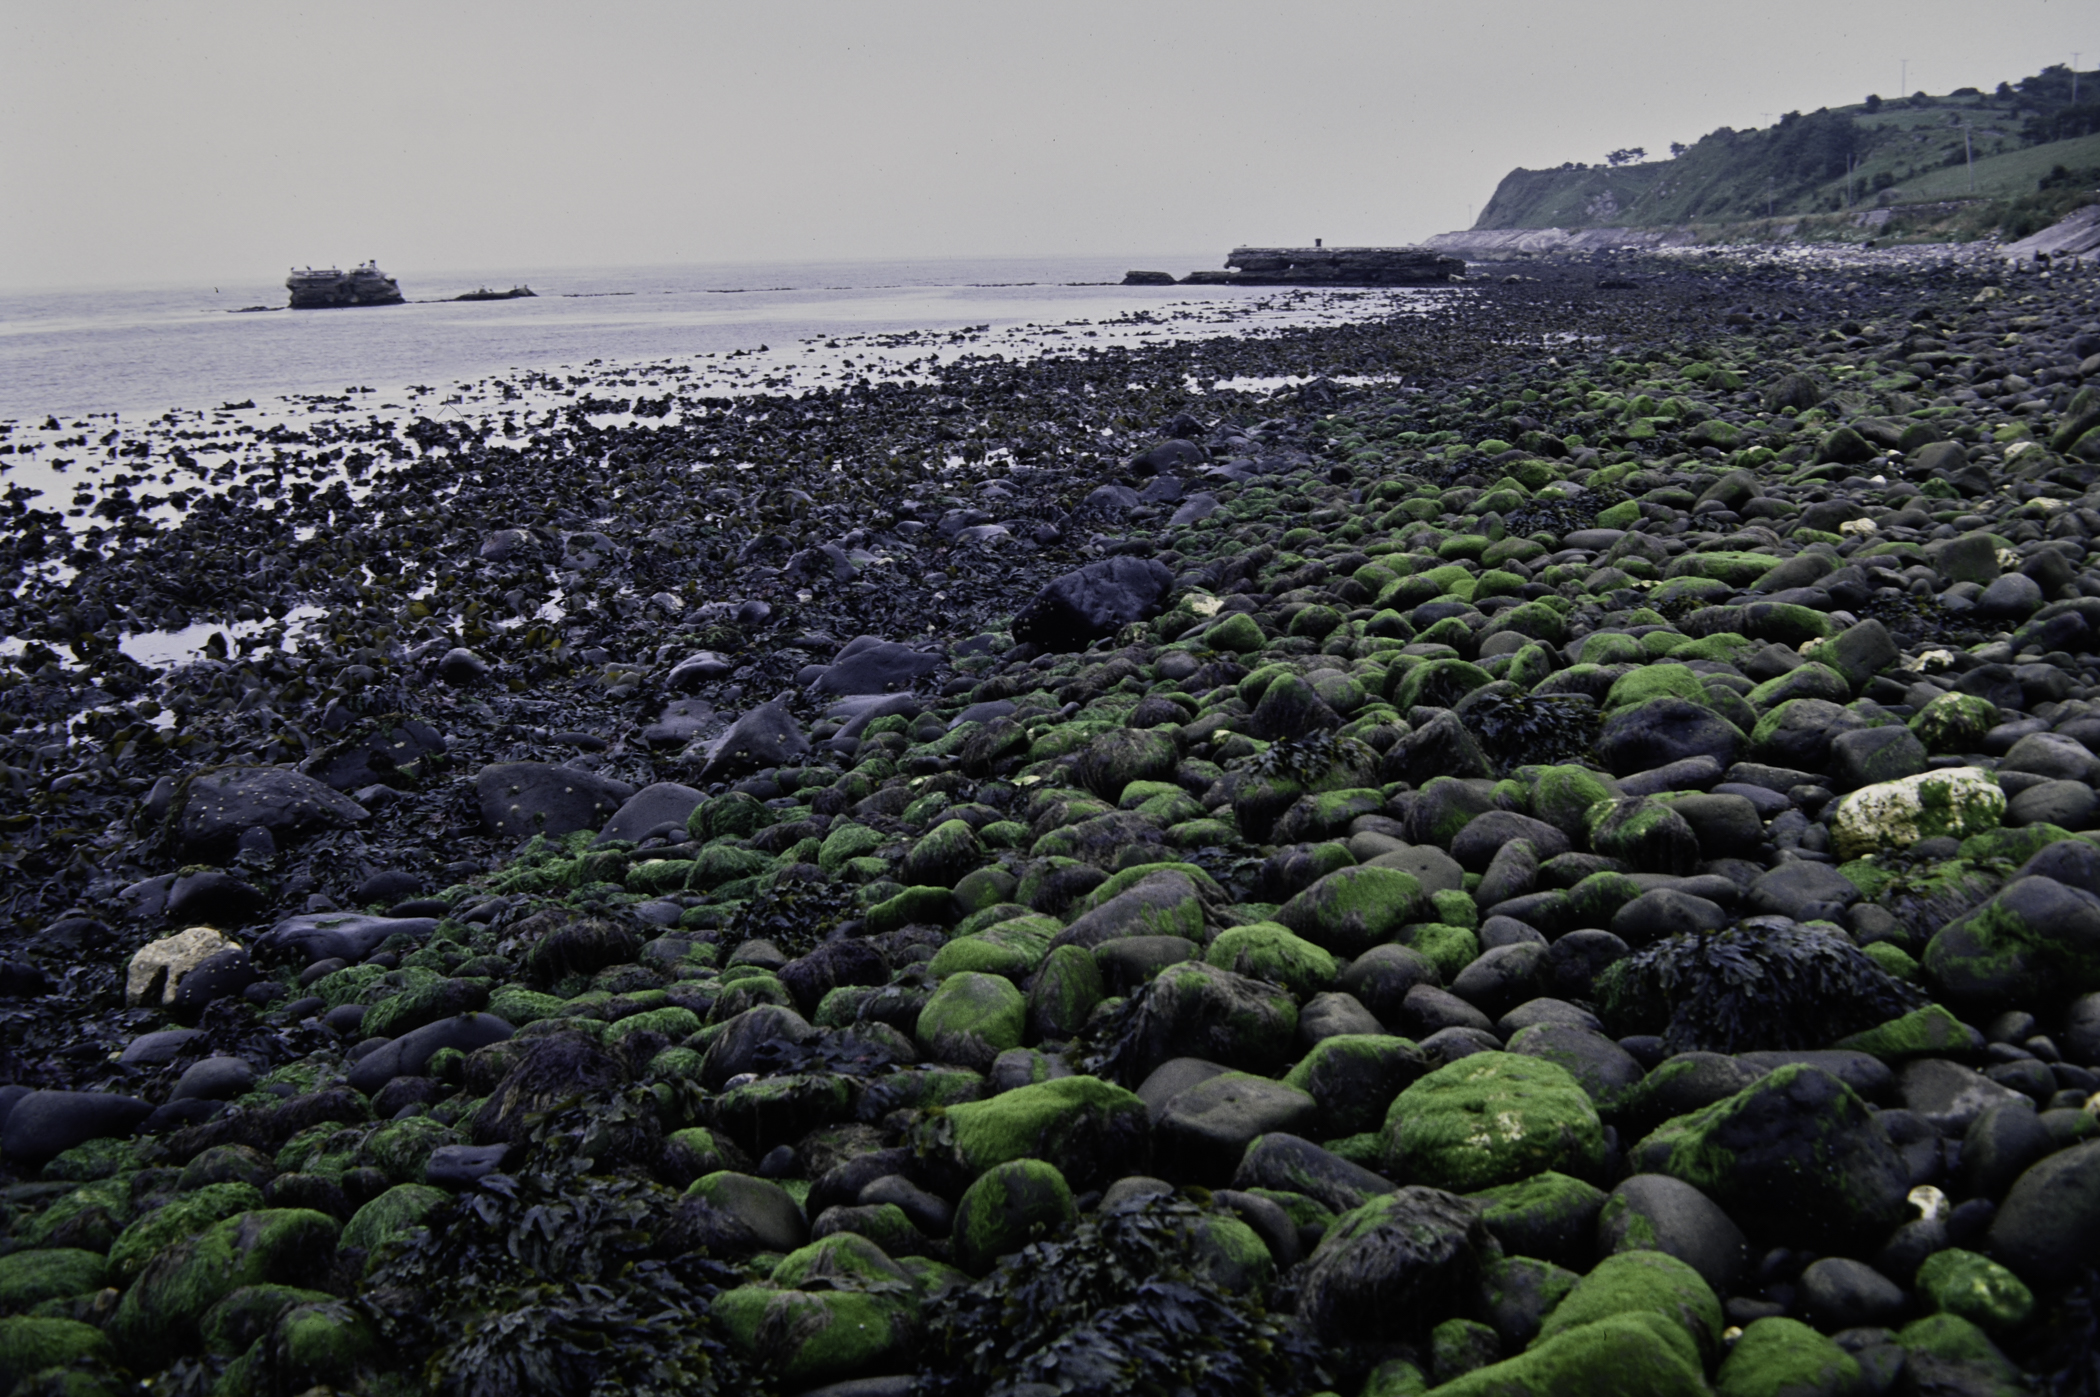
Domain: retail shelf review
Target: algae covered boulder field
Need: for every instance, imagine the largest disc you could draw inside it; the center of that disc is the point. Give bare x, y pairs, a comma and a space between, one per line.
1557, 854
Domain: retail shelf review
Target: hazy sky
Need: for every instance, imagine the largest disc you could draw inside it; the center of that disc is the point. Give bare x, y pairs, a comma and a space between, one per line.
169, 142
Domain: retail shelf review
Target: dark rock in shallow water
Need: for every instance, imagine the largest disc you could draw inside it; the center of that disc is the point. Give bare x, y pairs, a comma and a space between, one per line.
521, 799
1092, 602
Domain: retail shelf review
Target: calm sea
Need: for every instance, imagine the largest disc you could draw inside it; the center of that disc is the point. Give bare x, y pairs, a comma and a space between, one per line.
146, 350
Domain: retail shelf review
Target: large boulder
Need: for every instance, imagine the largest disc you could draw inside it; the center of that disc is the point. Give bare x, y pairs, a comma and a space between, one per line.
1194, 1009
521, 799
1795, 1156
1095, 601
1492, 1118
1391, 1269
222, 803
1953, 802
1665, 730
2036, 938
1092, 1131
870, 665
767, 736
2048, 1228
1354, 909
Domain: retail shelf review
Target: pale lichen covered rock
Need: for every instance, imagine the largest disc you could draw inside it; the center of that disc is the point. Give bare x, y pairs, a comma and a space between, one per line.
160, 965
1958, 802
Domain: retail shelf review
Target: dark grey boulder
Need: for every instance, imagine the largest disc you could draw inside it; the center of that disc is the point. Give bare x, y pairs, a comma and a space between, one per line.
1092, 602
407, 1055
1803, 891
1287, 1162
462, 1166
158, 1048
2013, 597
1665, 912
1999, 1146
1405, 1263
1802, 733
871, 665
45, 1124
1654, 1212
1871, 756
2065, 804
223, 803
214, 1079
1949, 1095
658, 808
1728, 826
1476, 846
1662, 731
2048, 1229
1200, 1134
766, 736
521, 799
349, 936
1839, 1293
1381, 978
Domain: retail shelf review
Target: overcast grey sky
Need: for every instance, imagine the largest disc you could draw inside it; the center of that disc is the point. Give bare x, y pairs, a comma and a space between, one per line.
170, 142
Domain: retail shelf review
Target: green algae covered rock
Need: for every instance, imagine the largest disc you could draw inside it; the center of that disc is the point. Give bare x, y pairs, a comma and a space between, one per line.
1625, 1355
175, 1221
29, 1345
1550, 1216
1270, 951
1492, 1118
1957, 803
1976, 1288
1931, 1031
1009, 1206
158, 1315
1353, 1078
1785, 1358
1353, 909
1092, 1131
1954, 722
813, 1337
1794, 1155
1642, 1282
2035, 938
1066, 988
393, 1214
1562, 796
971, 1019
1955, 1356
29, 1278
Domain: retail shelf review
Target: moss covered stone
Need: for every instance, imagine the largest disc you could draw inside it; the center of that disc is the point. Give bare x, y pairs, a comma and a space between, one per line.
846, 841
159, 1314
1954, 722
1270, 951
1088, 1128
1785, 1358
29, 1278
1976, 1288
29, 1346
1353, 909
1066, 988
1955, 803
1943, 1341
232, 1326
175, 1221
1562, 796
1653, 682
393, 1214
972, 1018
1627, 1355
813, 1337
1009, 1206
1642, 1282
1550, 1216
1489, 1119
1931, 1031
1353, 1078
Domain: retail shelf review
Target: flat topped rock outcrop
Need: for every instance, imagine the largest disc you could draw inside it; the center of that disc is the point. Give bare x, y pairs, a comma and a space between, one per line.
1333, 266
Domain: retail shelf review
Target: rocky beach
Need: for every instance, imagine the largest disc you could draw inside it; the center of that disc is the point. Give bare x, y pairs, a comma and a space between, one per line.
1541, 837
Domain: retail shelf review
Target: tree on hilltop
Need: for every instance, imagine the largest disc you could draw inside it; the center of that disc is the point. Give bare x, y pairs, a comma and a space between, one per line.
1627, 156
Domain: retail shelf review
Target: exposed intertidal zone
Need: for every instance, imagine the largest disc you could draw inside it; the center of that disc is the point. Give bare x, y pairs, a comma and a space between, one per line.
1558, 854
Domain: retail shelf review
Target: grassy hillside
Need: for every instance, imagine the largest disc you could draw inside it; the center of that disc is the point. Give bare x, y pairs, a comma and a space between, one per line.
2035, 151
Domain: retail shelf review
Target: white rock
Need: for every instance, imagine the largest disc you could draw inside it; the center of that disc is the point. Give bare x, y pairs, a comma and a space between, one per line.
160, 965
1959, 801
